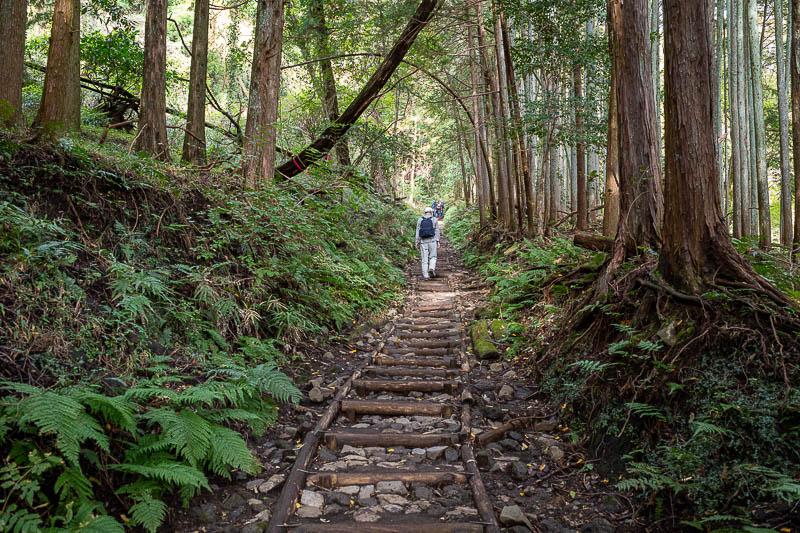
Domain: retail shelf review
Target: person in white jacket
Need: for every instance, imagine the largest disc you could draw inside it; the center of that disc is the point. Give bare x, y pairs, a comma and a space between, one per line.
427, 240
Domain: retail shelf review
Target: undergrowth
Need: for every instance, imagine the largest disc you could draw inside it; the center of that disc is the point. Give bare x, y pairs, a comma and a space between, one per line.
703, 423
146, 312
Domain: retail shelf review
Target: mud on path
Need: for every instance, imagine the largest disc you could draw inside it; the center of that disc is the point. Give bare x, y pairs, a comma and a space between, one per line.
407, 432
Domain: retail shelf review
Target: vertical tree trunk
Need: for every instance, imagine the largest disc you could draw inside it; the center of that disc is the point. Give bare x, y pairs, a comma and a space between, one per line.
760, 149
73, 93
697, 251
501, 168
641, 203
13, 18
733, 95
795, 69
581, 193
783, 120
655, 22
611, 206
152, 135
555, 189
57, 109
506, 146
194, 143
265, 80
481, 177
718, 93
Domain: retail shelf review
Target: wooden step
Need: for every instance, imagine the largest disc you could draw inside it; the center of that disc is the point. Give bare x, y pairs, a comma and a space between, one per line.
417, 351
336, 439
444, 334
389, 385
424, 343
434, 324
433, 314
436, 478
412, 372
351, 408
362, 527
435, 362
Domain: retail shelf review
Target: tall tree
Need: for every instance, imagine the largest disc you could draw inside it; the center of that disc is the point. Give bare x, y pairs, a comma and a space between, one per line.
795, 68
60, 106
152, 134
265, 79
641, 202
194, 143
371, 90
611, 204
481, 176
580, 153
13, 18
697, 251
759, 132
783, 122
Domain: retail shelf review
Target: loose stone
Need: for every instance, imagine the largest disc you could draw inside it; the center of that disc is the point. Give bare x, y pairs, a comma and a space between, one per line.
312, 499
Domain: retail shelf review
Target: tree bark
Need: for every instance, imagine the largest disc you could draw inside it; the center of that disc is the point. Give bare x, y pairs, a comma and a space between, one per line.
583, 200
13, 18
194, 142
783, 121
262, 108
697, 251
611, 204
795, 69
152, 135
641, 202
481, 177
57, 110
506, 144
322, 145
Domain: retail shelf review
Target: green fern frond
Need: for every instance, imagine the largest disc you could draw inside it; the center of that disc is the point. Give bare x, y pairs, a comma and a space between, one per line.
73, 482
15, 520
148, 513
228, 450
116, 409
166, 470
645, 410
590, 366
189, 433
269, 380
707, 428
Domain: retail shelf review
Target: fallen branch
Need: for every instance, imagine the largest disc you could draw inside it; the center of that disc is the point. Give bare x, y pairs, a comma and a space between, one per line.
516, 424
593, 241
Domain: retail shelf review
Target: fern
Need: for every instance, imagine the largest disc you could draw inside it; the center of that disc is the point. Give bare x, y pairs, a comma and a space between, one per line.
188, 433
16, 520
229, 450
644, 410
707, 428
163, 468
148, 513
589, 366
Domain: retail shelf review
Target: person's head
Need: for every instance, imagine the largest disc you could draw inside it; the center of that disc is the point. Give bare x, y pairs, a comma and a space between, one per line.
429, 211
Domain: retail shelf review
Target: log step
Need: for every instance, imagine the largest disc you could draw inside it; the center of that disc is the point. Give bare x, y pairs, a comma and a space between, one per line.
416, 527
443, 334
417, 351
427, 343
329, 480
412, 372
428, 325
365, 407
389, 385
433, 362
336, 439
433, 314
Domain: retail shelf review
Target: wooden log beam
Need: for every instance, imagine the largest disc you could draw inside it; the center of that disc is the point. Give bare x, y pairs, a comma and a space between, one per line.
593, 241
536, 423
441, 362
454, 334
479, 495
335, 440
387, 385
433, 324
432, 314
395, 408
329, 480
417, 351
412, 372
427, 343
416, 527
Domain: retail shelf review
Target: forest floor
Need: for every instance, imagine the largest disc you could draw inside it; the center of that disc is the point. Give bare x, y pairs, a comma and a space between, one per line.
536, 466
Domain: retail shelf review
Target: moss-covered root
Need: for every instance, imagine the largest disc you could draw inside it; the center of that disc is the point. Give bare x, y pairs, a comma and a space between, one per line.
498, 328
482, 344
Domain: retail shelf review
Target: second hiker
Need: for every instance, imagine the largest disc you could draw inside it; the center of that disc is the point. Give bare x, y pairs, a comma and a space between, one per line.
427, 240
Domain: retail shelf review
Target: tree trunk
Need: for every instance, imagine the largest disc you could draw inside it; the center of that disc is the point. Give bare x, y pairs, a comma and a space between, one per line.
760, 149
795, 69
641, 203
57, 110
697, 251
481, 179
783, 120
265, 82
322, 145
506, 145
611, 206
580, 162
13, 18
194, 143
654, 12
152, 135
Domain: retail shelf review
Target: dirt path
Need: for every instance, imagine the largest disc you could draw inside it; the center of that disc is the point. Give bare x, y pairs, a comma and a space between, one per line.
394, 449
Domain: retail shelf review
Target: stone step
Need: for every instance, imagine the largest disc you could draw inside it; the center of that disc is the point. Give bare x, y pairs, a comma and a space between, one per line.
404, 371
329, 480
415, 527
336, 439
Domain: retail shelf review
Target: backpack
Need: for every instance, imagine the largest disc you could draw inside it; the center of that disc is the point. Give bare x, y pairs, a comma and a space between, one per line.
426, 228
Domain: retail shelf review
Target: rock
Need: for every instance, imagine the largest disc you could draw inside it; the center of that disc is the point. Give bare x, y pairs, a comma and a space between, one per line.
263, 516
512, 515
328, 356
334, 509
233, 501
392, 499
256, 505
391, 487
550, 525
273, 482
365, 493
312, 498
205, 513
668, 334
498, 328
436, 510
316, 395
505, 393
598, 525
340, 498
256, 527
253, 484
365, 515
518, 529
451, 455
435, 452
510, 375
309, 512
481, 341
509, 444
519, 471
422, 492
456, 493
350, 490
326, 455
483, 459
556, 453
392, 508
351, 450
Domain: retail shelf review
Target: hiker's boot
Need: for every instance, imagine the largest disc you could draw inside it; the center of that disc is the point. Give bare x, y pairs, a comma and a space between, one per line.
433, 273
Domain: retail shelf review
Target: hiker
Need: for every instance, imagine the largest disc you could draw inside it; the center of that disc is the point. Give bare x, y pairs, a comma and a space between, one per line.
438, 209
427, 240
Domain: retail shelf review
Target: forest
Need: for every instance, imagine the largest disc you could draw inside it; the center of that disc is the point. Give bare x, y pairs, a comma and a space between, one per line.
207, 220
